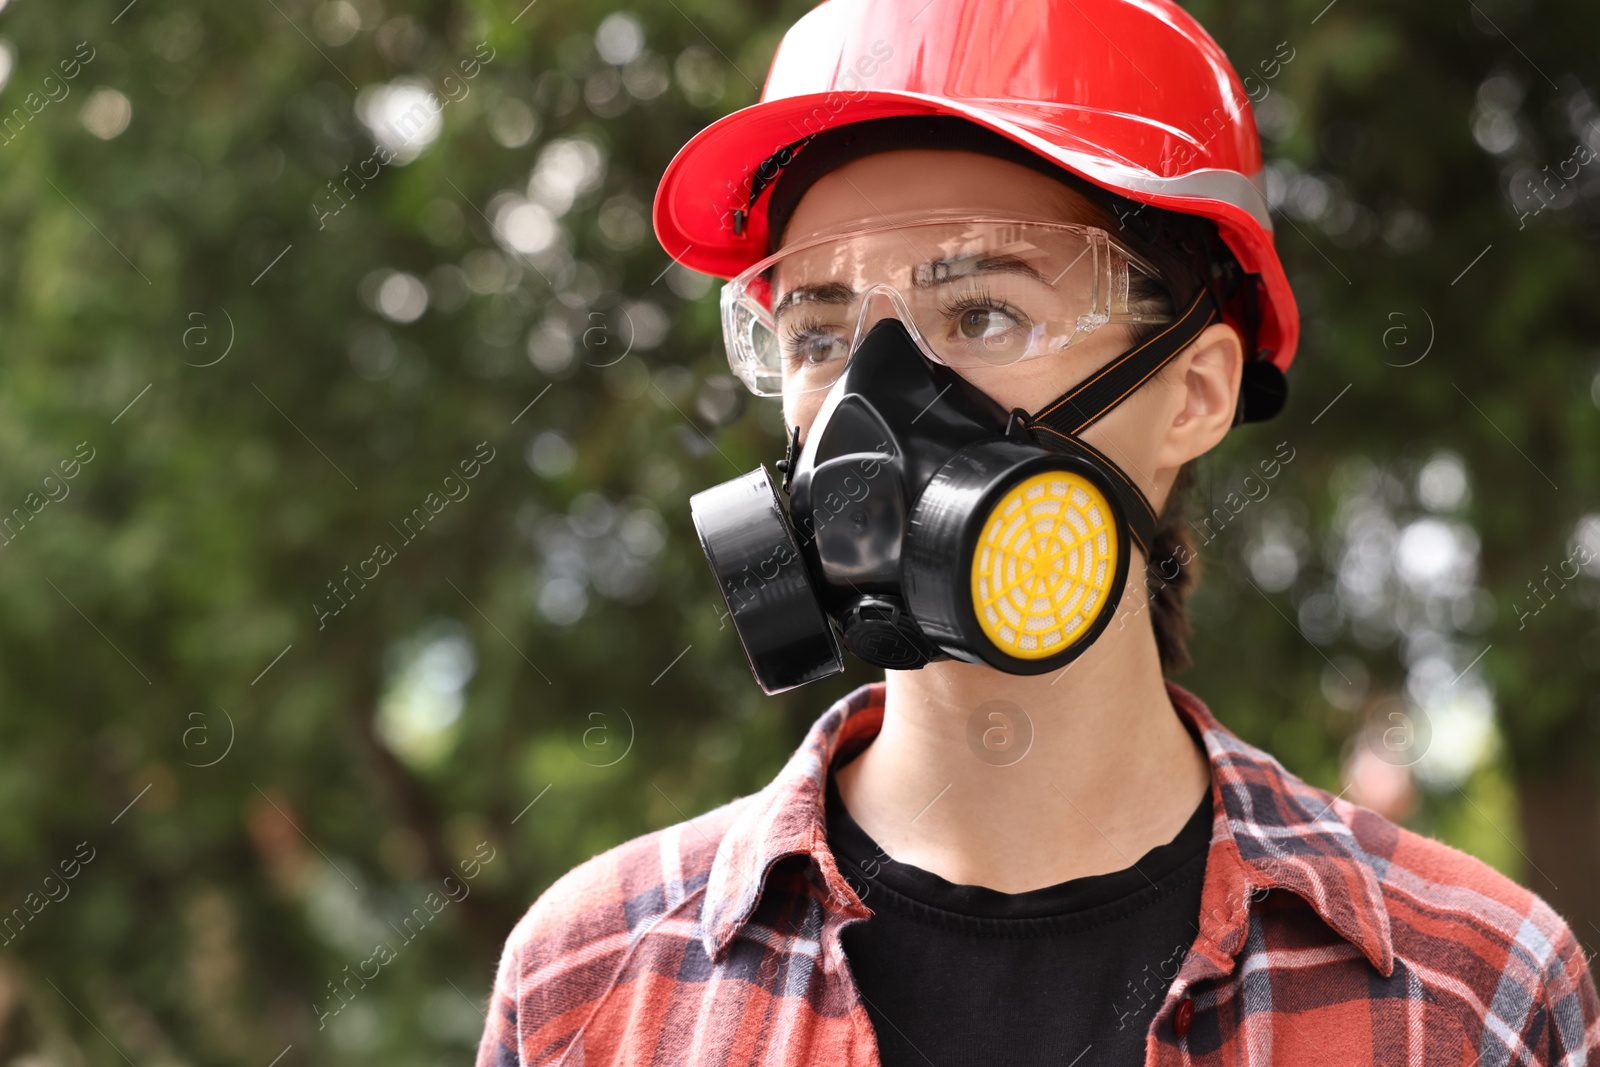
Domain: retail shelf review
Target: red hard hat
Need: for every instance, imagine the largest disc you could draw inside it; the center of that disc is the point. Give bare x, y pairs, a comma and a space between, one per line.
1132, 95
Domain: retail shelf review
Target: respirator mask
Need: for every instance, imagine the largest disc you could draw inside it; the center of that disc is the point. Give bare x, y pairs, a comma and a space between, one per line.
925, 521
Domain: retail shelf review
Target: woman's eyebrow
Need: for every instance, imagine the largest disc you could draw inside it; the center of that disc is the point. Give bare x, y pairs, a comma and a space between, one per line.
942, 271
927, 275
823, 293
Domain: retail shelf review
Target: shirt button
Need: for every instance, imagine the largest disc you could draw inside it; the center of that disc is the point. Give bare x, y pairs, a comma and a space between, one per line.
1183, 1018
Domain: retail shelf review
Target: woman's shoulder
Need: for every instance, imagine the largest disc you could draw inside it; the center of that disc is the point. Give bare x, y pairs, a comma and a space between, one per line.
1439, 925
1431, 887
1468, 930
1475, 957
1419, 892
612, 896
567, 950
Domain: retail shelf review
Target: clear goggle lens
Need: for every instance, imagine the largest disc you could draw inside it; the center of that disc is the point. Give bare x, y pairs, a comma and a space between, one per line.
971, 292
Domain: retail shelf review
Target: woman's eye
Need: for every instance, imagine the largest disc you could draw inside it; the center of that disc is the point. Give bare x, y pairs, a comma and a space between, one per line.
814, 348
977, 323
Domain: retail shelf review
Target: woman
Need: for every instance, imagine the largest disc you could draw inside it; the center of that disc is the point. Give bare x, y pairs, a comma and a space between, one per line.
995, 270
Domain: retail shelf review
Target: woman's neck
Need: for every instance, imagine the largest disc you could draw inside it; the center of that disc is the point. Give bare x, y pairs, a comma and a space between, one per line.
1015, 782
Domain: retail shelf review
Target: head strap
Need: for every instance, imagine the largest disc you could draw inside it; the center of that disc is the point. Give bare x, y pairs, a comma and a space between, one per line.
1081, 406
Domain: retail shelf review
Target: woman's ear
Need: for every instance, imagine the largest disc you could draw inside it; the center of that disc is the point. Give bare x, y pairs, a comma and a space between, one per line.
1205, 391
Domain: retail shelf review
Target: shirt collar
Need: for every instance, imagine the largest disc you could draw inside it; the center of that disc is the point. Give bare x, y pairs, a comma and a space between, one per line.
1270, 831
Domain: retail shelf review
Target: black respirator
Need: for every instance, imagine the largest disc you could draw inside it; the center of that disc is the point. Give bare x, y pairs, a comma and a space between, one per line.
926, 522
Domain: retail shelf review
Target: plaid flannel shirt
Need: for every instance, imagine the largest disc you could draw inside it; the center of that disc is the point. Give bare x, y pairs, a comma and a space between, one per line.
1327, 935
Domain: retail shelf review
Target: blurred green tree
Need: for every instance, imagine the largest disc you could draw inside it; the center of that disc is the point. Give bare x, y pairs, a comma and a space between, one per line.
350, 414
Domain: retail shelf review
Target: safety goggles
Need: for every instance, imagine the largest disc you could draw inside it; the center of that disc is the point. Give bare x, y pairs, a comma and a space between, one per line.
972, 292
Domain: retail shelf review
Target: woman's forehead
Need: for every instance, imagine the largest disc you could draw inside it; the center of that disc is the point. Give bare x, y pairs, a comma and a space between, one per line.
905, 185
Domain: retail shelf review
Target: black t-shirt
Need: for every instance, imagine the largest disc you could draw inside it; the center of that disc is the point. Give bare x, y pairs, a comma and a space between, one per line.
1067, 975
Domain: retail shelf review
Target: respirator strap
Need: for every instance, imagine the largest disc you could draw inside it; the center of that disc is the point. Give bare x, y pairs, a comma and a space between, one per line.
1059, 423
1082, 405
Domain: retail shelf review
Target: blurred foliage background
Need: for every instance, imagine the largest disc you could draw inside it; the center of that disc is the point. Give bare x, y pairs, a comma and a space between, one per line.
349, 413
